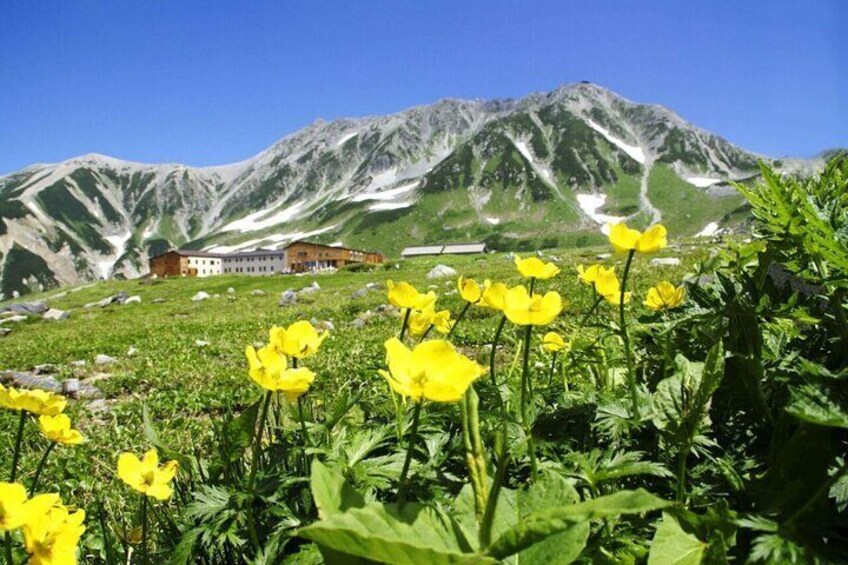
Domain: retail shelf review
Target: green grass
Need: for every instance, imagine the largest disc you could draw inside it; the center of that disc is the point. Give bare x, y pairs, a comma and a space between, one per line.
186, 386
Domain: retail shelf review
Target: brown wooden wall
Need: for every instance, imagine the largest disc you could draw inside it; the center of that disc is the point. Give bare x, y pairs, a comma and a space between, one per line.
170, 264
302, 256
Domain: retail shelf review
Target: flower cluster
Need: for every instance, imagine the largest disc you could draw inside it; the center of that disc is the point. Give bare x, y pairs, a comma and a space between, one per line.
269, 365
146, 476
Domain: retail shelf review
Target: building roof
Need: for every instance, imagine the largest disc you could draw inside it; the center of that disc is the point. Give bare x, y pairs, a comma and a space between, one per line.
422, 250
465, 248
331, 247
190, 253
254, 253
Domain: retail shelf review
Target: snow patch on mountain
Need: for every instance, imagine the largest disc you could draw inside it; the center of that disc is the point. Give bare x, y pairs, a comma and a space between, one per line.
709, 230
591, 203
634, 151
252, 222
701, 182
390, 194
382, 206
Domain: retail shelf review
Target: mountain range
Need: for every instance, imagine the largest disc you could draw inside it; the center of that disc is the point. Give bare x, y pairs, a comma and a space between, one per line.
548, 169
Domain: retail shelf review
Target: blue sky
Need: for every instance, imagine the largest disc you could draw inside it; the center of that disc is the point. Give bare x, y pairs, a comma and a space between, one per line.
204, 82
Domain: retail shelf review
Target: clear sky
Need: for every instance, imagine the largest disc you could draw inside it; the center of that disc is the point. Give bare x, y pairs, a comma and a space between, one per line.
206, 82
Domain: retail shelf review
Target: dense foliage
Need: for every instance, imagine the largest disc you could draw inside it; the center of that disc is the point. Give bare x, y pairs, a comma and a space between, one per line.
701, 421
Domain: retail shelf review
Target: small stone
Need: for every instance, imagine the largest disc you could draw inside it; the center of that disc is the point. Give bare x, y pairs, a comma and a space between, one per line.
603, 256
102, 359
121, 297
136, 299
201, 343
358, 323
13, 319
257, 292
372, 286
5, 331
361, 293
200, 296
54, 315
288, 297
71, 386
44, 369
440, 271
231, 290
98, 406
157, 300
79, 363
132, 351
665, 262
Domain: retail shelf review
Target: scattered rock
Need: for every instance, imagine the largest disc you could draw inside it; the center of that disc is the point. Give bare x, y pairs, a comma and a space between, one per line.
288, 298
201, 343
314, 287
121, 297
133, 300
257, 292
362, 292
5, 331
98, 406
31, 381
372, 286
157, 301
54, 314
231, 290
603, 256
27, 308
665, 262
358, 323
200, 296
44, 369
440, 271
80, 363
132, 351
103, 359
13, 319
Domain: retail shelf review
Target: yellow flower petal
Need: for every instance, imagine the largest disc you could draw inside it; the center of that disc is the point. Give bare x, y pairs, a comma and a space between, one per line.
537, 310
469, 290
535, 268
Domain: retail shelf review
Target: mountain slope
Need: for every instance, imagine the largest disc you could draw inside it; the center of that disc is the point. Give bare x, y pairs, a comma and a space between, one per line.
543, 170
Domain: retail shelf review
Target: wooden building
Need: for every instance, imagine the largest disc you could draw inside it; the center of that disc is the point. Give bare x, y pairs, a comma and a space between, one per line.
302, 256
185, 263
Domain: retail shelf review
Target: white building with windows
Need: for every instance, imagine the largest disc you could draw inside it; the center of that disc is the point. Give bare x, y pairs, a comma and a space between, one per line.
259, 262
205, 264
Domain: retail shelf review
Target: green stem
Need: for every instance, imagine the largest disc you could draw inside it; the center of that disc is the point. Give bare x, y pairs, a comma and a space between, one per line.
40, 467
495, 342
525, 386
405, 323
532, 285
681, 472
17, 453
492, 502
631, 375
459, 318
306, 442
408, 460
257, 448
144, 529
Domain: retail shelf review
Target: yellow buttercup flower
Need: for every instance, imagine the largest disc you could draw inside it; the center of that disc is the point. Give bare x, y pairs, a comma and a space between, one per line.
269, 369
299, 340
51, 537
608, 286
146, 476
624, 239
13, 497
553, 342
432, 370
420, 321
493, 295
404, 295
537, 310
34, 401
664, 296
58, 429
590, 274
534, 268
469, 290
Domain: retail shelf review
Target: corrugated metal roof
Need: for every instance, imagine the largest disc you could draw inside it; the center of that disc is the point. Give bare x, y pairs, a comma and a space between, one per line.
423, 250
465, 248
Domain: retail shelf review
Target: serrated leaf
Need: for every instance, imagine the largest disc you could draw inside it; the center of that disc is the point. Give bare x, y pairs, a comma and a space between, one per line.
811, 403
673, 546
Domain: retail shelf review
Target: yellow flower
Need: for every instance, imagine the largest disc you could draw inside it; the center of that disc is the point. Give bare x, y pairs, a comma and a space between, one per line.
533, 268
58, 429
607, 285
146, 476
298, 340
664, 296
469, 290
625, 239
51, 537
433, 370
493, 295
553, 342
537, 310
269, 369
13, 497
590, 274
35, 401
420, 321
404, 295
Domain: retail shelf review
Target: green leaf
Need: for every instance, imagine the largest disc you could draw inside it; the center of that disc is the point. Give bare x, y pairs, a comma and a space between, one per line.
673, 546
811, 403
332, 493
537, 526
386, 533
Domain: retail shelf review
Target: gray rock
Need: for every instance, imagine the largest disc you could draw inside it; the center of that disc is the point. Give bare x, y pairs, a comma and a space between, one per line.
132, 351
257, 292
231, 290
201, 343
79, 363
27, 308
44, 369
157, 301
103, 359
440, 271
133, 300
200, 296
358, 323
30, 381
603, 256
288, 297
54, 314
314, 287
121, 297
665, 262
372, 286
5, 331
98, 406
361, 293
13, 319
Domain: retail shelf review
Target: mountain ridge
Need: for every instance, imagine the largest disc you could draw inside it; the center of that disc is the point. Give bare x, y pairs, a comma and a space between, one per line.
514, 171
